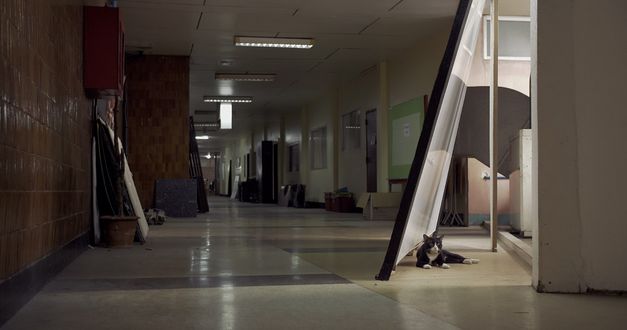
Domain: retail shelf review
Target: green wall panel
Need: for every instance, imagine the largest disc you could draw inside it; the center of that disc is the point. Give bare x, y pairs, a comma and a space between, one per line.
405, 125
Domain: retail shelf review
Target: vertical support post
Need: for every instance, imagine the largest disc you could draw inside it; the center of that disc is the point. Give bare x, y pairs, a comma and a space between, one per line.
494, 100
382, 129
265, 131
336, 142
253, 155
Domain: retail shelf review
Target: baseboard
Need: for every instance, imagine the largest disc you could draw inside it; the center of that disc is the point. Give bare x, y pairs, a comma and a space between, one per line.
18, 290
514, 245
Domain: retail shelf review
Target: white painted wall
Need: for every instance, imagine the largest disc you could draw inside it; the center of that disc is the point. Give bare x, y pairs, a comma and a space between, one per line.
521, 193
578, 110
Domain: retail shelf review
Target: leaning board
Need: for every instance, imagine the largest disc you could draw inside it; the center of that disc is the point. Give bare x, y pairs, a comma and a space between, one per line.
422, 199
132, 191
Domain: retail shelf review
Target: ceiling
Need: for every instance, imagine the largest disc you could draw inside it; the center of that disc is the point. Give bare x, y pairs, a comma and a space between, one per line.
350, 36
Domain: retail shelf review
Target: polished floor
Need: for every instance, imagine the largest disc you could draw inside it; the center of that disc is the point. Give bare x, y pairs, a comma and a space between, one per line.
250, 266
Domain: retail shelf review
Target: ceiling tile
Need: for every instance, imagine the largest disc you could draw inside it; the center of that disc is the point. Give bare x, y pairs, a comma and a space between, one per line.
427, 8
399, 25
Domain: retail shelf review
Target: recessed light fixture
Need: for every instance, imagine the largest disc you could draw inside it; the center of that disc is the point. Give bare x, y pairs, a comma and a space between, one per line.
202, 137
270, 42
226, 62
245, 76
228, 99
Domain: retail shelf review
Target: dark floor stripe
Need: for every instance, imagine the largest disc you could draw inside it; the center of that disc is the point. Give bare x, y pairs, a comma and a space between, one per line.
80, 285
297, 227
336, 250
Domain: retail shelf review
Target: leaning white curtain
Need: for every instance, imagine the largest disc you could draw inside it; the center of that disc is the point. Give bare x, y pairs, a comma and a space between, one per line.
426, 203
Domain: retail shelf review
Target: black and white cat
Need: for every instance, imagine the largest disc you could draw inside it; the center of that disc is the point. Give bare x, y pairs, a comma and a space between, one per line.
432, 254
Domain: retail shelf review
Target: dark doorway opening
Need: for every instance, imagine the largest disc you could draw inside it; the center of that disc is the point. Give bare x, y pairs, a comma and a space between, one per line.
371, 150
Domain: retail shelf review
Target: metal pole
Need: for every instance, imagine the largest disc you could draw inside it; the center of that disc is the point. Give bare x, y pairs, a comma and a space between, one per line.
494, 83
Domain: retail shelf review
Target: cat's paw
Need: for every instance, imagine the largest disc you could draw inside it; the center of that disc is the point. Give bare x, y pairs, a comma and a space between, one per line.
467, 261
427, 266
475, 261
445, 266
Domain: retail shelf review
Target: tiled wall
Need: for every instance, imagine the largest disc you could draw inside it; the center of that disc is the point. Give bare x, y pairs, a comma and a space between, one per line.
158, 121
44, 131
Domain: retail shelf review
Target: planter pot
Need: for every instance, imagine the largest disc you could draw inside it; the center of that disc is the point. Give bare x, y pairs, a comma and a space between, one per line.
118, 231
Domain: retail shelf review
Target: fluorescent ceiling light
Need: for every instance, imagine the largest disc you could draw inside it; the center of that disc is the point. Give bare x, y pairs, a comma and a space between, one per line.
228, 99
245, 76
269, 42
226, 116
202, 137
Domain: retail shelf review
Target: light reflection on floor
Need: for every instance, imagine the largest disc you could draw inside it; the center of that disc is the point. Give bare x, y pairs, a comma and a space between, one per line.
251, 266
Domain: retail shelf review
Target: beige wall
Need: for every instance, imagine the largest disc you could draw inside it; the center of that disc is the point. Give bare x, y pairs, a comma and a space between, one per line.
321, 114
292, 136
479, 191
412, 73
359, 94
578, 112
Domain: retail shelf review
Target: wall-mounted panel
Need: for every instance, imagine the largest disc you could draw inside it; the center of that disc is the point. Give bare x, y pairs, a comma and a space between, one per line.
405, 125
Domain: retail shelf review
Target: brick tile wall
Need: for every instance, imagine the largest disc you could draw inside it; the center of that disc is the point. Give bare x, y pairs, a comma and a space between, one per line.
44, 131
158, 121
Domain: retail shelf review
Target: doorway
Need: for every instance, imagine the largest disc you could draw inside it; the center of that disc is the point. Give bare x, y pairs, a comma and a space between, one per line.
230, 178
371, 150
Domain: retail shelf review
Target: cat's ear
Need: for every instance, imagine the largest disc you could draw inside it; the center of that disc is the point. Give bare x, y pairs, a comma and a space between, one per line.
425, 237
441, 236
